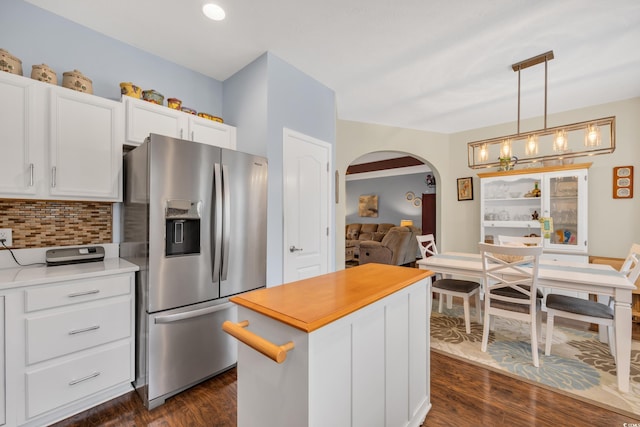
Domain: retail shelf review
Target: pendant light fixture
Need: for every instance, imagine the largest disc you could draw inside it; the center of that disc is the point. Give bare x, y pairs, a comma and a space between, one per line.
556, 141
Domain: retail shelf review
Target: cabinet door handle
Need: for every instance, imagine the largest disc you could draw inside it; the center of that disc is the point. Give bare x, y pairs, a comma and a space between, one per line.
79, 331
181, 131
193, 136
53, 177
79, 294
31, 175
88, 377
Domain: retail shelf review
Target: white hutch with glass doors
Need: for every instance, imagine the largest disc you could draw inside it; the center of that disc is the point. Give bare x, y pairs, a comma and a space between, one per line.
517, 203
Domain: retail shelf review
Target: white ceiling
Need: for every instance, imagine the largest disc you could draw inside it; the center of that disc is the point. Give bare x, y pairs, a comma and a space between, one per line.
437, 65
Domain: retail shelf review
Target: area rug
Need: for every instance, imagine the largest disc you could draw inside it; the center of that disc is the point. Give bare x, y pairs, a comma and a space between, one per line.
579, 366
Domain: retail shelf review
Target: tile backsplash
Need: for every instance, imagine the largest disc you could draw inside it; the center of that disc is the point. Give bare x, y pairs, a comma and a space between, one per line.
44, 223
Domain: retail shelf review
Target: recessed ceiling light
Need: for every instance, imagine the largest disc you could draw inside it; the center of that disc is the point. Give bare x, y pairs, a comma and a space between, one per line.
213, 11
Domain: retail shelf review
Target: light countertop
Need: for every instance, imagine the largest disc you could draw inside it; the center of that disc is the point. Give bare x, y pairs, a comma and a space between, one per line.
15, 277
312, 303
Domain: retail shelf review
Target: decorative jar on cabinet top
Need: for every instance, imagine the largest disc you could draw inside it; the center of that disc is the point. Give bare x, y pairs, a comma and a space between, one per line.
44, 73
129, 89
10, 63
153, 96
77, 81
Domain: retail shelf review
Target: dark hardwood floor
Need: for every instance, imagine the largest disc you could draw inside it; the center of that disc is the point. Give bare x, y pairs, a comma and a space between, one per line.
461, 394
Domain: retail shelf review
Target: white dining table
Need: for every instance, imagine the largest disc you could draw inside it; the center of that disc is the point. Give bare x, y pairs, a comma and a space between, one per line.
598, 279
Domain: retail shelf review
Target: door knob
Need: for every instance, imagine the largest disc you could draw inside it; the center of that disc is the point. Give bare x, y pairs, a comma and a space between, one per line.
294, 249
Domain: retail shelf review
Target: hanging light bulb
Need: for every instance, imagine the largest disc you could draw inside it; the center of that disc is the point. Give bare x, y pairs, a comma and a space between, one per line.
560, 141
505, 149
592, 136
484, 153
531, 147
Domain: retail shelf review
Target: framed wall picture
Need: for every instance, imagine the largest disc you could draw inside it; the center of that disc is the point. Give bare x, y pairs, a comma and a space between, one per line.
465, 188
623, 182
368, 206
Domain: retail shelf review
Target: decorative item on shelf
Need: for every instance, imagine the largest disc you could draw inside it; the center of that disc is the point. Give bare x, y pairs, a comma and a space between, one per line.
210, 117
534, 216
406, 223
10, 63
153, 96
188, 110
129, 89
44, 73
623, 182
557, 144
465, 188
75, 80
174, 103
535, 192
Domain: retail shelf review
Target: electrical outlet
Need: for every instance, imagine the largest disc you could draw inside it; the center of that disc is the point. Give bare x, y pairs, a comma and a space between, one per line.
6, 234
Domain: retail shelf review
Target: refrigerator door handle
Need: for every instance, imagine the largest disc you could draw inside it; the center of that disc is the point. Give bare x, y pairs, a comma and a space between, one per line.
216, 226
170, 318
226, 228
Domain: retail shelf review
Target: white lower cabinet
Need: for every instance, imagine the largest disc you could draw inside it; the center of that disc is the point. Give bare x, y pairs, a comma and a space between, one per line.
70, 347
54, 386
368, 368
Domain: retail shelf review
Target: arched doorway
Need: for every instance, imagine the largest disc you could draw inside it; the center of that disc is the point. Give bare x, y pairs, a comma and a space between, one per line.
404, 185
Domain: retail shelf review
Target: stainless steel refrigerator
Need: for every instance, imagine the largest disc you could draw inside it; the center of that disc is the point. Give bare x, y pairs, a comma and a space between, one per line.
194, 220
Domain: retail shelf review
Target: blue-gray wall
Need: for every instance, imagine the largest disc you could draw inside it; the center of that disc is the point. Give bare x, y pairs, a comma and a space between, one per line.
37, 36
392, 203
260, 100
279, 96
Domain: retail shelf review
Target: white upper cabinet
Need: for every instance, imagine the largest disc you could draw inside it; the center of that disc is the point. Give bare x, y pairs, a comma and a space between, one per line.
212, 133
145, 117
85, 146
57, 143
18, 142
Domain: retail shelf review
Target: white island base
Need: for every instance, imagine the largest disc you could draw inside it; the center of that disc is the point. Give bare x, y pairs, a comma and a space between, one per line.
368, 368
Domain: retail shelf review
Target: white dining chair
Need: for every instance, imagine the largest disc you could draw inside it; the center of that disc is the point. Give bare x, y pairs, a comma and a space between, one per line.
525, 240
590, 311
452, 287
511, 288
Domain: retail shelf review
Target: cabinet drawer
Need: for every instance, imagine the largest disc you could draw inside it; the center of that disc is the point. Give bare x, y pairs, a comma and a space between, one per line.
64, 383
77, 291
63, 333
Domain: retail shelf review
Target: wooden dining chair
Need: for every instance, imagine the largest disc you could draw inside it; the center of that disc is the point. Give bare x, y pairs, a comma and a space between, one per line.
511, 288
452, 287
590, 311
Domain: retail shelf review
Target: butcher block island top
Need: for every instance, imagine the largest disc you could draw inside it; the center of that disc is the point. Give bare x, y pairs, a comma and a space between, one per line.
313, 303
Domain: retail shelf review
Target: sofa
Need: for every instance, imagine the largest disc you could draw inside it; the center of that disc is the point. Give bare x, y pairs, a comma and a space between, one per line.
357, 233
399, 246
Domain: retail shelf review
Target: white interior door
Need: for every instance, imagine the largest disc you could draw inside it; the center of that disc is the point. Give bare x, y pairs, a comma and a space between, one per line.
306, 206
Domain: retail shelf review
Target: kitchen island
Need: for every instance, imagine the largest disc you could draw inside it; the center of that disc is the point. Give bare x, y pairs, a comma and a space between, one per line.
352, 349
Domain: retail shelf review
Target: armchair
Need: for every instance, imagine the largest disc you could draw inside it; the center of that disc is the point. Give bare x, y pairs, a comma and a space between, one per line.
398, 247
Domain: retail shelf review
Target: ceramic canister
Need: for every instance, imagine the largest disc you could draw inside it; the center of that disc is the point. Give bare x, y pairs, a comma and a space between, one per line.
10, 63
174, 103
77, 81
153, 96
129, 89
43, 73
